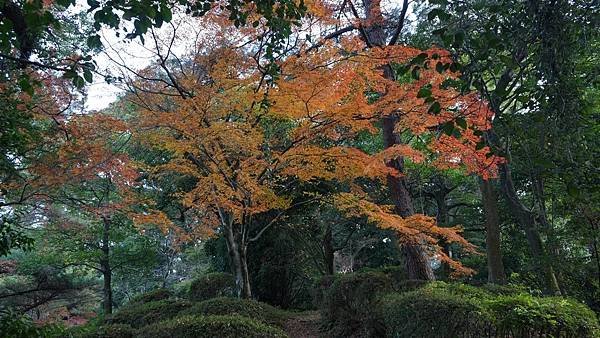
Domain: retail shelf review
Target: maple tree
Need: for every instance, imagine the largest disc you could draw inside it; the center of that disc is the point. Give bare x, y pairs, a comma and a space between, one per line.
216, 121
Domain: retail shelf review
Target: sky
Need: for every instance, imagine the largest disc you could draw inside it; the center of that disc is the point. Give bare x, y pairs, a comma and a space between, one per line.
138, 56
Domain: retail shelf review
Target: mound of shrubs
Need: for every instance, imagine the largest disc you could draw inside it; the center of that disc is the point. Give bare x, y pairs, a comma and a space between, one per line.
152, 296
243, 307
209, 327
212, 285
457, 310
105, 331
348, 305
141, 314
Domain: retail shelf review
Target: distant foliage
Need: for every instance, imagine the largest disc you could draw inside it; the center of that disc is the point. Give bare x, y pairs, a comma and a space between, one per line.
138, 315
209, 327
212, 285
234, 306
348, 305
152, 296
457, 310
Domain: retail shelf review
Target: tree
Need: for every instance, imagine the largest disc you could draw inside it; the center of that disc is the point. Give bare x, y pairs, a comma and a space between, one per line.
216, 124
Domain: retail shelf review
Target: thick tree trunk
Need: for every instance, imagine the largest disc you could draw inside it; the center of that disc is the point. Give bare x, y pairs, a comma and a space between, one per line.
527, 221
496, 274
107, 302
417, 265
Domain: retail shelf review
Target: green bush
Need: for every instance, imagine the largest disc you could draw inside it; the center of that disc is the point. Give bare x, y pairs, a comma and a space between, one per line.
348, 305
396, 273
209, 327
432, 312
235, 306
152, 296
138, 315
458, 310
542, 316
105, 331
13, 325
320, 286
212, 285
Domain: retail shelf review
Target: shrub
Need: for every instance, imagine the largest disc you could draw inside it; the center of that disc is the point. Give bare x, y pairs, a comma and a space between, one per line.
235, 306
209, 327
152, 296
212, 285
320, 286
348, 306
16, 325
138, 315
451, 310
542, 316
106, 331
432, 312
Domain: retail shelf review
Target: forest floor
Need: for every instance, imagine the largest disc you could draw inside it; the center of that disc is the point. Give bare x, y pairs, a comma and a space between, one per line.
303, 325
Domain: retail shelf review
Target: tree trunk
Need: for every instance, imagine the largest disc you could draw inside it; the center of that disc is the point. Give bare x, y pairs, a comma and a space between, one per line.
443, 219
527, 221
496, 274
239, 264
328, 250
417, 265
107, 303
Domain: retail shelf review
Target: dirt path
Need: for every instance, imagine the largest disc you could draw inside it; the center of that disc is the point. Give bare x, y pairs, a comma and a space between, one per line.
303, 325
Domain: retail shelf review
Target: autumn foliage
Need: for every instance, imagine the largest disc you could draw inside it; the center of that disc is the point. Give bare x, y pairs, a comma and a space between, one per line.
244, 138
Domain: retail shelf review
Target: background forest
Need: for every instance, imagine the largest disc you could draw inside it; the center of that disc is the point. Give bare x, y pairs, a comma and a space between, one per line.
284, 168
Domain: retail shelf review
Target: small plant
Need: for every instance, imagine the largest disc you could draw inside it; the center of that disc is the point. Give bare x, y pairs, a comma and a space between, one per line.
212, 285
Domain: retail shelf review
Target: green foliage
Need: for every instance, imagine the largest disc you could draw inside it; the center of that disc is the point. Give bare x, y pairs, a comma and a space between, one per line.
13, 325
139, 315
212, 285
548, 315
106, 331
152, 296
451, 310
244, 307
348, 305
209, 327
432, 312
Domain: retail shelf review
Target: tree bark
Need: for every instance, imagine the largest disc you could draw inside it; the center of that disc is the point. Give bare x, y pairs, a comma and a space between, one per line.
496, 274
107, 303
328, 250
239, 263
417, 265
527, 221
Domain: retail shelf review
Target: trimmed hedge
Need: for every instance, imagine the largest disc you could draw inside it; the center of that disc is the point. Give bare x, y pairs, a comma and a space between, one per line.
458, 310
142, 314
212, 285
432, 313
209, 327
108, 331
235, 306
349, 305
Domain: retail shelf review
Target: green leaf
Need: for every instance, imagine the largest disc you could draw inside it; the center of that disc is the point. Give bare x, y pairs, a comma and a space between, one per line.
94, 42
87, 74
435, 108
461, 122
424, 92
448, 128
